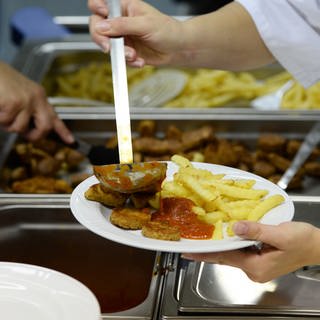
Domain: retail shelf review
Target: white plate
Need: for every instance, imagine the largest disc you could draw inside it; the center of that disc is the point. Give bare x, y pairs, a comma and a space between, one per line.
95, 216
31, 292
157, 89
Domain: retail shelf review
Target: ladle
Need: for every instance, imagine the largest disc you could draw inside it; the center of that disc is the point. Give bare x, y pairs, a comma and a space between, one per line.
125, 177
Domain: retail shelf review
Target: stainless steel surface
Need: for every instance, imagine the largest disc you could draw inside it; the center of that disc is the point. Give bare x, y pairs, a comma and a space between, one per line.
97, 131
216, 291
78, 102
38, 59
310, 142
120, 89
42, 231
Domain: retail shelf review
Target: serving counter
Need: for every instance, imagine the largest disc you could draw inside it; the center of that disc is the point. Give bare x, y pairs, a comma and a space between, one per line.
132, 283
137, 284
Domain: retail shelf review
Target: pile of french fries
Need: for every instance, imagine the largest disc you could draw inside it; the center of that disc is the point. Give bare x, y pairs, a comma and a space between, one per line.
218, 201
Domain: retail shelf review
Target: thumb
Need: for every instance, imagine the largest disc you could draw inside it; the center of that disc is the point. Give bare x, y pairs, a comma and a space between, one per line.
257, 231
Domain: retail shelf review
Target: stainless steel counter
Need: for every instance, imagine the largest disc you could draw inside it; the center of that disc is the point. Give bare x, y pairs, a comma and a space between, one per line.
208, 291
41, 229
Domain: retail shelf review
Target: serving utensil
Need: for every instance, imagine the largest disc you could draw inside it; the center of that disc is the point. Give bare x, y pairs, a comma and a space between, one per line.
125, 176
120, 90
271, 101
309, 143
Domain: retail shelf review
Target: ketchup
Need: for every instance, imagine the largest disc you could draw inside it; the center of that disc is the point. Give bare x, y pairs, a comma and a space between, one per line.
178, 212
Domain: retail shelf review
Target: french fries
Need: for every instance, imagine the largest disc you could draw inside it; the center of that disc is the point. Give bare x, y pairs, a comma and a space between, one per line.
218, 201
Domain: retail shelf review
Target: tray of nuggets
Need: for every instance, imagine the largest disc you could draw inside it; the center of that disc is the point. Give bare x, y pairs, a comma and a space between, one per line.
268, 156
43, 167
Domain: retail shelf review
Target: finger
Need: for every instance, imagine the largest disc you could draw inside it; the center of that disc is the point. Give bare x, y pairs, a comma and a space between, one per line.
43, 118
138, 62
260, 232
7, 116
20, 123
122, 26
234, 258
99, 39
61, 129
98, 6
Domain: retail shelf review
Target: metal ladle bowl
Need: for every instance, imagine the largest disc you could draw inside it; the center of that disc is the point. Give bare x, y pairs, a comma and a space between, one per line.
131, 178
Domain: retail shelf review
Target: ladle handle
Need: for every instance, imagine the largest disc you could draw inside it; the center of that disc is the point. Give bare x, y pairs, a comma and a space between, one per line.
120, 89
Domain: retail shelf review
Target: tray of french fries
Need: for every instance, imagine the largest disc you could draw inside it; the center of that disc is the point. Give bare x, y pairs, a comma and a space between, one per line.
203, 88
192, 210
78, 69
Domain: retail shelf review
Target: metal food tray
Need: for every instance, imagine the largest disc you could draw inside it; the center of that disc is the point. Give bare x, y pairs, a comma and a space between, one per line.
97, 131
37, 59
42, 231
210, 291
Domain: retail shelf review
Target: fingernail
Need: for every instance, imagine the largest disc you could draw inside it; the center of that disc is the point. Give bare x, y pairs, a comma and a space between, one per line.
128, 54
240, 228
70, 138
138, 63
103, 25
105, 46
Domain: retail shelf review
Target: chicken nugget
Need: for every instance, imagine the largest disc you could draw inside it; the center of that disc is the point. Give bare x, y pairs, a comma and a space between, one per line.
271, 143
141, 199
312, 168
130, 218
264, 169
161, 230
106, 197
41, 185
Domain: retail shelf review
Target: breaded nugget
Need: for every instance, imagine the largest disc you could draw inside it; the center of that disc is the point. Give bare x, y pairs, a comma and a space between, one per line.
161, 230
39, 185
130, 218
264, 169
141, 199
270, 142
312, 169
106, 197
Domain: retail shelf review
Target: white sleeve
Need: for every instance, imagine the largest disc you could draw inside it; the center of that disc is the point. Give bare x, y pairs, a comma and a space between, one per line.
291, 31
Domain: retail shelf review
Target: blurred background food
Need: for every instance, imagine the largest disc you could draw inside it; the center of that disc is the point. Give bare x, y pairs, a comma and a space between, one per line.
99, 87
269, 158
205, 88
43, 167
49, 167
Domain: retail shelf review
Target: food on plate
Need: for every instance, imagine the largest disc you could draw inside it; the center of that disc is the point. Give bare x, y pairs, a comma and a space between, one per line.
130, 178
161, 230
179, 212
97, 192
217, 199
194, 203
142, 199
130, 218
152, 174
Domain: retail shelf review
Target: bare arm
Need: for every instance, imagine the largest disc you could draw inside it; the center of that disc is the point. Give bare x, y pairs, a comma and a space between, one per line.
225, 39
